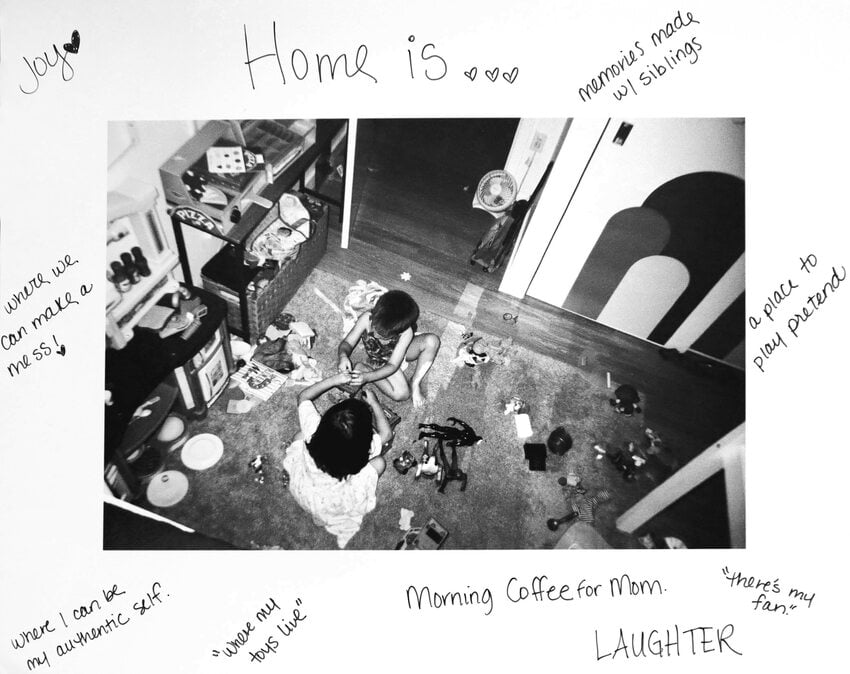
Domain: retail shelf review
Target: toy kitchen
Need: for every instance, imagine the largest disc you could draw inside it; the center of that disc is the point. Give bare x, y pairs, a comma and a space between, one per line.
168, 348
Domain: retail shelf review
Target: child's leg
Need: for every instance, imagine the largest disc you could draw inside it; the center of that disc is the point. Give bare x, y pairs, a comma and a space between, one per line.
395, 386
423, 349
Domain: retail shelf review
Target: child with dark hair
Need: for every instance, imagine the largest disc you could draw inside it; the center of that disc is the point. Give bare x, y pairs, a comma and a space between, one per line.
389, 338
334, 462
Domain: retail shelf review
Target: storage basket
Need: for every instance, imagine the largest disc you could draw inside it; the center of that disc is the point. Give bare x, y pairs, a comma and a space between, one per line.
266, 301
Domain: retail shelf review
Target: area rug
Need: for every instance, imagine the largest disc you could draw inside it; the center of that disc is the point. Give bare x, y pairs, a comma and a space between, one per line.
505, 505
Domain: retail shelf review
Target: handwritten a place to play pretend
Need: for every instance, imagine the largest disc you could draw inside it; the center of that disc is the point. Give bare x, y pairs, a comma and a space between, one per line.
276, 623
32, 308
76, 629
788, 309
673, 46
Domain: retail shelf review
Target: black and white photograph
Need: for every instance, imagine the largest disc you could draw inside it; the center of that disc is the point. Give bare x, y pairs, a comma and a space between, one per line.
425, 333
552, 294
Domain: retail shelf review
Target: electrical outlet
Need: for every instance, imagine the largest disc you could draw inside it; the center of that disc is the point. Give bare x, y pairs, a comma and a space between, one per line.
538, 142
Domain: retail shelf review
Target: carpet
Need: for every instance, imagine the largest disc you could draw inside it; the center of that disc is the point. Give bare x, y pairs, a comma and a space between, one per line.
505, 505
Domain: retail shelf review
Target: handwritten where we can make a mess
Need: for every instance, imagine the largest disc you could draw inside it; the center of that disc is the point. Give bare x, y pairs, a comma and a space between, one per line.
806, 309
27, 331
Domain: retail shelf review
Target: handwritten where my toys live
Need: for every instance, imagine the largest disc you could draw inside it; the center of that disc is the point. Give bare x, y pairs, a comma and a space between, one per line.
798, 317
29, 331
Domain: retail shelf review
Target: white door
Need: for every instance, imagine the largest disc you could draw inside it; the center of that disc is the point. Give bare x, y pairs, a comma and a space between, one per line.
621, 176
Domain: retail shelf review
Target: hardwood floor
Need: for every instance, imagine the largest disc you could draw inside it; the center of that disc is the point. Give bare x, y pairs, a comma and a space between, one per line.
405, 224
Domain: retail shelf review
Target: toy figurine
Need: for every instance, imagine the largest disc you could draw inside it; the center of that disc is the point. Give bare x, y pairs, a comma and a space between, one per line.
460, 434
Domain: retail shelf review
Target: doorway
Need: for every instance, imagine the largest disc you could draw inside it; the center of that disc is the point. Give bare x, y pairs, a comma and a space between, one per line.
414, 182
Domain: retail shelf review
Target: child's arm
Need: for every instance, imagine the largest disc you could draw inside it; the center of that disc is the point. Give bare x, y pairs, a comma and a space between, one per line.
315, 390
381, 423
392, 365
346, 346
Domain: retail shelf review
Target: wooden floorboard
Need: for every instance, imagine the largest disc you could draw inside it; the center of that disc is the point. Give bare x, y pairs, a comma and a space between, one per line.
690, 401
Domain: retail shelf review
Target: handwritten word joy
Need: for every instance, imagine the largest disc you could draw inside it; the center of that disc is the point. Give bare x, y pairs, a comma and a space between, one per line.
41, 65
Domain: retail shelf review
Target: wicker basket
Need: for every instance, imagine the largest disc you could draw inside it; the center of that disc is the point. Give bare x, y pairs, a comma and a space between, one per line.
266, 301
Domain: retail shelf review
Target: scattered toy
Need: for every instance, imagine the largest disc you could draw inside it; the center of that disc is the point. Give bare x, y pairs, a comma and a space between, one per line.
469, 351
523, 426
405, 517
559, 441
404, 462
257, 464
535, 454
515, 405
553, 523
460, 434
361, 297
405, 276
430, 537
600, 451
625, 400
573, 479
428, 465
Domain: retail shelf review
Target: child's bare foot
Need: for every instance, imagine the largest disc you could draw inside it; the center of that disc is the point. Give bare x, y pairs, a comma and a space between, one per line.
418, 397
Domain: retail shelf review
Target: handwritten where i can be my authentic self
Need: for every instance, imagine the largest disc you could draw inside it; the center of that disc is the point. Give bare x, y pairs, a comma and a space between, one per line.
122, 611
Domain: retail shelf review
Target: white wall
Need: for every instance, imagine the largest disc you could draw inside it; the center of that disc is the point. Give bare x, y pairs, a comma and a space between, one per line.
525, 163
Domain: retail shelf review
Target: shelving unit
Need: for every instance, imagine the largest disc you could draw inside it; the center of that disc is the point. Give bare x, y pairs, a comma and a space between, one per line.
256, 206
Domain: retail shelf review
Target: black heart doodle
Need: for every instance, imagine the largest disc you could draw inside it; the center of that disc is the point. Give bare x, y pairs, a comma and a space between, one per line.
74, 45
511, 76
61, 350
472, 73
492, 74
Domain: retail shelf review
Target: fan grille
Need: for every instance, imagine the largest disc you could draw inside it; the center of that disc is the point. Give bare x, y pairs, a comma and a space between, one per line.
497, 190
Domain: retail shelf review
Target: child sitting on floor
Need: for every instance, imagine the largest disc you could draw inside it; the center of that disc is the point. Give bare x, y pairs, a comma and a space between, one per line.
389, 339
335, 461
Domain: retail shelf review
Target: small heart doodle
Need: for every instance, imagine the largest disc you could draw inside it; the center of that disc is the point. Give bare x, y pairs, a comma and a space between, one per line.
511, 76
61, 350
472, 73
74, 45
492, 74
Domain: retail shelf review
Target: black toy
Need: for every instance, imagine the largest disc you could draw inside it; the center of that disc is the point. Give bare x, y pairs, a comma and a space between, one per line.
559, 441
625, 400
554, 523
404, 462
460, 434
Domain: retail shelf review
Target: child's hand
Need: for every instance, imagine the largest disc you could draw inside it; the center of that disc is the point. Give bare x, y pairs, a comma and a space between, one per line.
355, 378
340, 378
370, 397
344, 364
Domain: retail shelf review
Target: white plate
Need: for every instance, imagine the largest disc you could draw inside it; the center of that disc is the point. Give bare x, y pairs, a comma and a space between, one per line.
166, 489
202, 451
